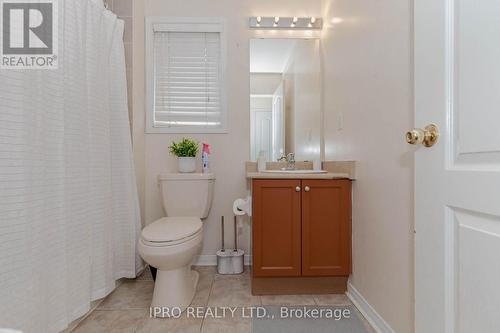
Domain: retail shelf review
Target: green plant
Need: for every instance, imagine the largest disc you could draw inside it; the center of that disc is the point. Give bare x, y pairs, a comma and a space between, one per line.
184, 148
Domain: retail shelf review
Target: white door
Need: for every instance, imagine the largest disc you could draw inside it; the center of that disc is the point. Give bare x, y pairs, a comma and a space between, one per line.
278, 122
263, 133
457, 87
261, 125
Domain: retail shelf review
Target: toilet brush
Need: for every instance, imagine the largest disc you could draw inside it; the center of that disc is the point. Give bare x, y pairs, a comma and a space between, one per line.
235, 234
222, 231
230, 262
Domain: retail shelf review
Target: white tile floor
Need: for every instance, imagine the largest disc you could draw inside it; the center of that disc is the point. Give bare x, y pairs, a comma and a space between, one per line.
127, 308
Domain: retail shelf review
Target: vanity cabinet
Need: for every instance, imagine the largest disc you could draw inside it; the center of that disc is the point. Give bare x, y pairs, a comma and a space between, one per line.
276, 228
326, 227
301, 228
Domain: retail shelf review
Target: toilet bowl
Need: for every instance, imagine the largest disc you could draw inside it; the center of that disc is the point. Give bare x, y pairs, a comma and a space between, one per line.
170, 244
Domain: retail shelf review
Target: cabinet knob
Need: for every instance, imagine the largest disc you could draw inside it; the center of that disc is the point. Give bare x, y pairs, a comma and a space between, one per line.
297, 189
307, 188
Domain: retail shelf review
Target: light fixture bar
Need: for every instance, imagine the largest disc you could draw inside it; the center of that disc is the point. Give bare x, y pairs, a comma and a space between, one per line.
283, 23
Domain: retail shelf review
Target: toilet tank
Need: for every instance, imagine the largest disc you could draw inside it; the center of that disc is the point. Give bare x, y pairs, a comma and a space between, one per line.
187, 194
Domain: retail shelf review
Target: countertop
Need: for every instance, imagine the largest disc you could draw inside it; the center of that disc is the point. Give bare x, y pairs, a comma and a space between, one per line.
335, 170
284, 175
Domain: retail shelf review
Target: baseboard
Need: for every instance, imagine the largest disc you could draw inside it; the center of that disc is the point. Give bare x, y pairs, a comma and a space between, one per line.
211, 260
377, 322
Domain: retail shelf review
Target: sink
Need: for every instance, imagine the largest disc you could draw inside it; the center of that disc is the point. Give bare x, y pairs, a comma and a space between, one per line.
295, 171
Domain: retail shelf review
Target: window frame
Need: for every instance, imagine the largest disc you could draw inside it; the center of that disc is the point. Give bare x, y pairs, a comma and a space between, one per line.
183, 24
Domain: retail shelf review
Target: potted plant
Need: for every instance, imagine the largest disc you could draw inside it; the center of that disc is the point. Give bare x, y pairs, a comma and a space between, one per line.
186, 151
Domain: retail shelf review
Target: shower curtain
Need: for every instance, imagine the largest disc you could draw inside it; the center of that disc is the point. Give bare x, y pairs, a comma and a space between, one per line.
69, 215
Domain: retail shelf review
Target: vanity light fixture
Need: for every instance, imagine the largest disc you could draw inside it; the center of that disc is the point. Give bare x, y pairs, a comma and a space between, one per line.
283, 23
258, 19
311, 22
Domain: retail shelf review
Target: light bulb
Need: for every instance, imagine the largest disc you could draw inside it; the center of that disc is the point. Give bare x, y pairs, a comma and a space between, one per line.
276, 19
313, 20
295, 19
259, 19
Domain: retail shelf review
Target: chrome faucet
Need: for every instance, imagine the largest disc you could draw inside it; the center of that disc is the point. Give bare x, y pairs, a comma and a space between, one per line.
290, 161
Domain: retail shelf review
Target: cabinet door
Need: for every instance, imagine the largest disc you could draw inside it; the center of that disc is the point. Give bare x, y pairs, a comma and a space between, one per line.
276, 228
326, 227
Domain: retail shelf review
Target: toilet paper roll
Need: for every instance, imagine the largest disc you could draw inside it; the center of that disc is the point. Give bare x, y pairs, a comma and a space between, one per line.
242, 207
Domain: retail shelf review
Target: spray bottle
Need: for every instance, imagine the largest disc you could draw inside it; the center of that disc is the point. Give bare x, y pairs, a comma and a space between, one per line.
204, 158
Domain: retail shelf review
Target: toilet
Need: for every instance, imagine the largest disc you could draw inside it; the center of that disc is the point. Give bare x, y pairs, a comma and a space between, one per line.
171, 243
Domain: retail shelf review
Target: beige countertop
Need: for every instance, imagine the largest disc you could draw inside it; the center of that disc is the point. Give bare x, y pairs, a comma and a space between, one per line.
335, 170
284, 175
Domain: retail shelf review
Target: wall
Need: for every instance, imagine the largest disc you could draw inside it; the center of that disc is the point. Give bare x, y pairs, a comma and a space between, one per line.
367, 64
124, 10
264, 83
230, 151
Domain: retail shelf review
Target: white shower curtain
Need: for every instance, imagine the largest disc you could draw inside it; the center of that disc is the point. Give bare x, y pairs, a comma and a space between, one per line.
69, 215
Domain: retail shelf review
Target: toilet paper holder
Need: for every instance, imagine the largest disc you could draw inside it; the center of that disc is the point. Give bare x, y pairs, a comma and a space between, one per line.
243, 206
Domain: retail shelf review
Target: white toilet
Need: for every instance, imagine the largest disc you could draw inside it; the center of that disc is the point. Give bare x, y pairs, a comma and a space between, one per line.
171, 243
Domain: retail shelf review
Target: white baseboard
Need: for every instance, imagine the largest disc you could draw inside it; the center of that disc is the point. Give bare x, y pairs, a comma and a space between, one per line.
211, 260
377, 322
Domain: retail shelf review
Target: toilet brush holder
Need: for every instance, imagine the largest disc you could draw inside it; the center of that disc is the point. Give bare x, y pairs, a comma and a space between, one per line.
230, 261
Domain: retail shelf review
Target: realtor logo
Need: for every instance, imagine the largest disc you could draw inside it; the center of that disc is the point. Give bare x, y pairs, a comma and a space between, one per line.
29, 34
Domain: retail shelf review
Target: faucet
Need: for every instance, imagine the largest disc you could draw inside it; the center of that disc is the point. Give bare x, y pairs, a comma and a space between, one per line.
290, 161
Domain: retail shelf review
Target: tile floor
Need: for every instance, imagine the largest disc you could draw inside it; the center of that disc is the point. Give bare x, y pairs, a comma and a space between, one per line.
127, 308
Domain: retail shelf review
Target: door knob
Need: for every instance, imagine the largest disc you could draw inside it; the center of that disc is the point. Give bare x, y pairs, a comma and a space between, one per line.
307, 188
427, 136
297, 189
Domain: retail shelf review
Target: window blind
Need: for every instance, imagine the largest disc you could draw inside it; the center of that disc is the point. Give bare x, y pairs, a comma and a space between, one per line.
187, 74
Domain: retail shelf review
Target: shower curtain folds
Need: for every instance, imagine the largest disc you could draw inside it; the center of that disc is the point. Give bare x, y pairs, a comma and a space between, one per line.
69, 214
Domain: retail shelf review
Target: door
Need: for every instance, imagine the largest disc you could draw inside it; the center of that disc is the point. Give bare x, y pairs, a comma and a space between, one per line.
263, 134
261, 118
278, 122
457, 212
276, 228
326, 227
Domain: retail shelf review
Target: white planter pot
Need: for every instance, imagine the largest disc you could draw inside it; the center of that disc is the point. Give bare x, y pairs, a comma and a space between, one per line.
187, 164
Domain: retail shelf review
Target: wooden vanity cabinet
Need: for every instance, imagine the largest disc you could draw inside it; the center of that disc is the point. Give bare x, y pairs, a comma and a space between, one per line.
276, 228
326, 227
301, 228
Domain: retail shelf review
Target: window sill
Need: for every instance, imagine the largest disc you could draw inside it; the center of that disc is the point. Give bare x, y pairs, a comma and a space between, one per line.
160, 130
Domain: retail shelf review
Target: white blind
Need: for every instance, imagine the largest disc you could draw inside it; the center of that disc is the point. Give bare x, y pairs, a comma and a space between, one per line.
188, 75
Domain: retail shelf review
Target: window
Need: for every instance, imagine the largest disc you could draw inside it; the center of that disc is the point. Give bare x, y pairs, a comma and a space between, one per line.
185, 76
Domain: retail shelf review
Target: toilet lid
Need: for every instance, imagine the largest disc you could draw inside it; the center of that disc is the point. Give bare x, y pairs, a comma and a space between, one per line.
170, 229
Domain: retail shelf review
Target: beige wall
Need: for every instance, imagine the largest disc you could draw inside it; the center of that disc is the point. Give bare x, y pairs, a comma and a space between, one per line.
367, 65
124, 10
264, 83
230, 151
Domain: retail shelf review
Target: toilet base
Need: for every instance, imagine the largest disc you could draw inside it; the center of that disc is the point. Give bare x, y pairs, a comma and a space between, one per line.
174, 291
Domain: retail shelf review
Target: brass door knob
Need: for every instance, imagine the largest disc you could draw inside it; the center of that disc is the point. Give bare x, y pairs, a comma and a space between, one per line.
427, 136
297, 189
307, 188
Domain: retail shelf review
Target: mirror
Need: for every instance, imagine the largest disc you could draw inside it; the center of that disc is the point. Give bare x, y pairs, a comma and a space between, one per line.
285, 98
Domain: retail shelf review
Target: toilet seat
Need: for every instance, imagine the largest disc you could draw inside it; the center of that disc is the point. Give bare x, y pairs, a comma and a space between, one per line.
170, 231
